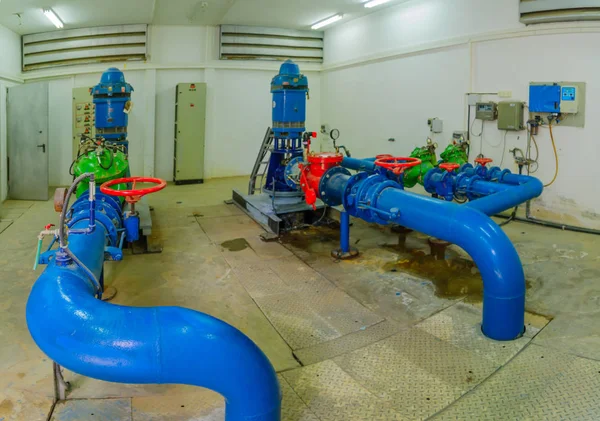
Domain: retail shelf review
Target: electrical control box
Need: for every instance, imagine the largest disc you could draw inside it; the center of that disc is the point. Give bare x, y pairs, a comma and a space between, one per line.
84, 116
511, 115
190, 123
436, 125
459, 137
544, 98
569, 99
554, 98
486, 111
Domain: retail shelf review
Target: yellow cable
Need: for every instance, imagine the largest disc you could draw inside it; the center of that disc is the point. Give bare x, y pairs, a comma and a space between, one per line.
555, 157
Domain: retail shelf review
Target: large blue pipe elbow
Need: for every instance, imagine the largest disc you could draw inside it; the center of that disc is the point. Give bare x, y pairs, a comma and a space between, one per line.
486, 243
146, 345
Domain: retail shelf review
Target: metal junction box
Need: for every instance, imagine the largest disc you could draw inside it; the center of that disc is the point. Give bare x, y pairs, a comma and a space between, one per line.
190, 123
511, 115
486, 111
84, 116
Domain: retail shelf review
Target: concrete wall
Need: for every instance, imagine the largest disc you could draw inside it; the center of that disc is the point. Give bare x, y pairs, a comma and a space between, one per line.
388, 72
10, 72
238, 104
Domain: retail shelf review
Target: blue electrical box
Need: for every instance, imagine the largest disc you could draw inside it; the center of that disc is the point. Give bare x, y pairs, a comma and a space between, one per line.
544, 98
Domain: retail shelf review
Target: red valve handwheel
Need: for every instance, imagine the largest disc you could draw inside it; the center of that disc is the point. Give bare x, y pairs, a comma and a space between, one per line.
484, 161
133, 195
383, 156
397, 164
448, 166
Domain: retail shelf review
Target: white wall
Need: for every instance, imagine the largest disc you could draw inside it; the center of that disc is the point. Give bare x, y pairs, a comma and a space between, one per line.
238, 104
387, 73
10, 71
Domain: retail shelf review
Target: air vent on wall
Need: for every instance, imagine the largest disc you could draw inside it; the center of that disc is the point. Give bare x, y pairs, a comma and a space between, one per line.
256, 43
82, 46
544, 11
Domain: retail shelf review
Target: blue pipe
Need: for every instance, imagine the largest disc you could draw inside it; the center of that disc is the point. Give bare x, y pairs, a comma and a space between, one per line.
345, 232
530, 188
486, 243
145, 345
355, 164
375, 198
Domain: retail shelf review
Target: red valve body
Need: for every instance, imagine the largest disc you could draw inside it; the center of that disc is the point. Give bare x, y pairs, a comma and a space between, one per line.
310, 174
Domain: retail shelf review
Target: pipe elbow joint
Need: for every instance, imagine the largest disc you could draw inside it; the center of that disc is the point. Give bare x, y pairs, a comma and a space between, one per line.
150, 345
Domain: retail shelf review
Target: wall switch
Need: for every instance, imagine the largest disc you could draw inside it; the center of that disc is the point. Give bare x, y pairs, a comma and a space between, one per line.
505, 94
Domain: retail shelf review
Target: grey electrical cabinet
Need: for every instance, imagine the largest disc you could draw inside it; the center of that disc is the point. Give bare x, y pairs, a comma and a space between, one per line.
190, 123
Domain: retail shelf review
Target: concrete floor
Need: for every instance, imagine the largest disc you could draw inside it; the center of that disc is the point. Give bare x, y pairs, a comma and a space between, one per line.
392, 335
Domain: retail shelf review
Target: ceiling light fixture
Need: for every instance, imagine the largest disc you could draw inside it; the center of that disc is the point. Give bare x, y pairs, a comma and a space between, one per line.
53, 17
375, 3
327, 21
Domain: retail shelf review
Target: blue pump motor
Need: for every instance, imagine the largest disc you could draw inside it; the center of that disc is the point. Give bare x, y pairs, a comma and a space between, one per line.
290, 91
112, 98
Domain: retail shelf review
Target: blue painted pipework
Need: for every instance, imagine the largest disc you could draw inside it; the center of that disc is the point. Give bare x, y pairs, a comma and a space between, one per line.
143, 345
490, 191
379, 197
290, 90
110, 98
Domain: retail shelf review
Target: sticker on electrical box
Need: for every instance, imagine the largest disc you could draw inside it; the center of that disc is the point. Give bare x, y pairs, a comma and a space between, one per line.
274, 104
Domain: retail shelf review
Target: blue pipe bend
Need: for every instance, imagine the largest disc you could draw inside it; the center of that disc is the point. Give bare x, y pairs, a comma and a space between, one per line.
484, 241
146, 345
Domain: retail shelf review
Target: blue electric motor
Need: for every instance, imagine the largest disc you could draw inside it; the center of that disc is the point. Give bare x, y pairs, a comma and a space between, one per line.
290, 91
112, 98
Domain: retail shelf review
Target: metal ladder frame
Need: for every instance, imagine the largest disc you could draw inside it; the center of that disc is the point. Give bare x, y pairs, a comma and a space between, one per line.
260, 161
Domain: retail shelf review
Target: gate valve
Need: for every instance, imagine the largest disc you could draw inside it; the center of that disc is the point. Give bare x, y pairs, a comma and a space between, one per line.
484, 161
449, 167
396, 164
134, 195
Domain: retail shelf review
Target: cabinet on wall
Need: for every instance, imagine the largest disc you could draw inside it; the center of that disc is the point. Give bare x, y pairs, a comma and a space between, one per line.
190, 122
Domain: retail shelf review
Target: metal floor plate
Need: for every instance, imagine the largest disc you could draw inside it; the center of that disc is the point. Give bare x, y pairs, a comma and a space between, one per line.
539, 384
304, 307
347, 343
332, 395
460, 325
416, 372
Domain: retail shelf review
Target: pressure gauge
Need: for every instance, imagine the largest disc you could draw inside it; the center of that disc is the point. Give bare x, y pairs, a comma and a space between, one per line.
334, 134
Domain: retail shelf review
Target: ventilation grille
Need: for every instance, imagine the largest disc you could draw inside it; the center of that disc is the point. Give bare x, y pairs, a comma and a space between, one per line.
256, 43
545, 11
82, 46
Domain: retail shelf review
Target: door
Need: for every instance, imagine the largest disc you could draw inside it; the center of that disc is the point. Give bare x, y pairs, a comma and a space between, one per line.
27, 130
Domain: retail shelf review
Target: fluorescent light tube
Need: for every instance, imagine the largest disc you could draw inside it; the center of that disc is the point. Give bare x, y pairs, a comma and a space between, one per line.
53, 17
327, 21
375, 3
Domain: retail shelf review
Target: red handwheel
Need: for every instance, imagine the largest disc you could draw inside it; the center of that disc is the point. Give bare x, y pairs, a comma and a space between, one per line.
397, 164
449, 166
484, 161
133, 195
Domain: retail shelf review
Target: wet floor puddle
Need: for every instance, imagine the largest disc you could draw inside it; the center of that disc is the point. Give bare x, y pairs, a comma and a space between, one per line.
237, 244
454, 277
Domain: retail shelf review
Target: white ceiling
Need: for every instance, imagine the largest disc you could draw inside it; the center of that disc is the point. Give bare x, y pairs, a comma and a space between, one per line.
295, 14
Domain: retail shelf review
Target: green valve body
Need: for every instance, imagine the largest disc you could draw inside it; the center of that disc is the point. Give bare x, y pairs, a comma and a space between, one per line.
428, 161
455, 154
88, 162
